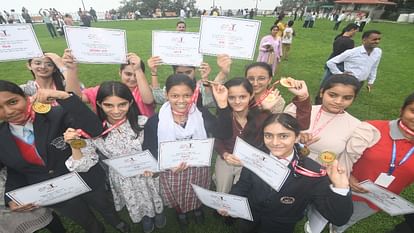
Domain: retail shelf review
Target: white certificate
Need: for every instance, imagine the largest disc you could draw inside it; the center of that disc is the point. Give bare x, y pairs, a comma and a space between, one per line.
51, 191
271, 171
196, 153
235, 206
134, 164
386, 200
97, 45
177, 48
233, 36
18, 42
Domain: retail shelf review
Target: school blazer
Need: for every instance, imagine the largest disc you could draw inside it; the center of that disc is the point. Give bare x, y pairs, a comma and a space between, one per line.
48, 131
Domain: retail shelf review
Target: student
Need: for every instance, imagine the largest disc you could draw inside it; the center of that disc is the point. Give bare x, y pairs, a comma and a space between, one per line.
180, 119
385, 160
132, 74
140, 194
287, 38
306, 183
206, 98
331, 127
270, 48
32, 151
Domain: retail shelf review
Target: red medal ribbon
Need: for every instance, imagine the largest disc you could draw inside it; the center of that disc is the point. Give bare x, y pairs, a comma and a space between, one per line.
405, 128
306, 172
116, 125
267, 92
315, 122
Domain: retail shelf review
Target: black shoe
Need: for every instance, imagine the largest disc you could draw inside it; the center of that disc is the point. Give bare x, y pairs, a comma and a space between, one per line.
182, 221
123, 227
199, 216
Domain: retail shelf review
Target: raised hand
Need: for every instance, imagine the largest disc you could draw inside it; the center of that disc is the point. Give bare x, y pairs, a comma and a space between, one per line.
224, 63
134, 60
307, 138
220, 93
153, 64
205, 70
337, 175
299, 89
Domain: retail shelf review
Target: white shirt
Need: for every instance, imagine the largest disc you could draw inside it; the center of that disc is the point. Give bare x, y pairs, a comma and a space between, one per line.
17, 130
358, 63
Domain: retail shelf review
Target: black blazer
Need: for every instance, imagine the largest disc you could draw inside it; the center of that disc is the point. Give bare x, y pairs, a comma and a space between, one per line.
48, 129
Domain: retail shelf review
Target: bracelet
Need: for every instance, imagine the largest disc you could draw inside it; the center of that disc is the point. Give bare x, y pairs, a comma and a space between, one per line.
154, 74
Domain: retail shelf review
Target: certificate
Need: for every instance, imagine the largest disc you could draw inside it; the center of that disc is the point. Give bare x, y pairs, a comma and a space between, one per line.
97, 45
271, 171
18, 42
196, 153
134, 164
233, 36
51, 191
235, 206
177, 48
386, 200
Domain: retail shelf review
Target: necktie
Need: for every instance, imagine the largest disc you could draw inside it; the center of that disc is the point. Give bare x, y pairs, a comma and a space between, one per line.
28, 135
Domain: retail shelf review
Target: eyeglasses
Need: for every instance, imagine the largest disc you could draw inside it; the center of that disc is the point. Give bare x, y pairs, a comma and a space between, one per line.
258, 79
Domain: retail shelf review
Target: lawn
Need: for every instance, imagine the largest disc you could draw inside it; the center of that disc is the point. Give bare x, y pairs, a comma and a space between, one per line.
309, 51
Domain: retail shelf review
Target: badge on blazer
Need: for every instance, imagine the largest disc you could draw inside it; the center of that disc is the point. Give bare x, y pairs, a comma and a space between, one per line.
287, 200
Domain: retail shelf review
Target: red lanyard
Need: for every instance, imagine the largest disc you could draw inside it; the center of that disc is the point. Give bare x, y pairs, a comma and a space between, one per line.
316, 121
267, 92
405, 128
116, 125
192, 101
306, 172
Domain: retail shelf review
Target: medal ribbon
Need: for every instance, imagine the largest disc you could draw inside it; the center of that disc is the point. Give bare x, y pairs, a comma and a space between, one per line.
192, 101
405, 128
306, 172
316, 121
116, 125
267, 93
394, 157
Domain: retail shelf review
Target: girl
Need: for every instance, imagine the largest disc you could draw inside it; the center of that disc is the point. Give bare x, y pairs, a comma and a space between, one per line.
270, 48
387, 157
306, 183
132, 74
331, 127
259, 75
32, 151
180, 119
246, 121
140, 194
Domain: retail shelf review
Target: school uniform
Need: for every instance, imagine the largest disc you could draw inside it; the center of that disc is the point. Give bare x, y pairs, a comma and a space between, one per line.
278, 212
44, 158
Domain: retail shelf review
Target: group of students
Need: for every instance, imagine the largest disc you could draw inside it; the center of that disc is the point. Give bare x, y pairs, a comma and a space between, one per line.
36, 146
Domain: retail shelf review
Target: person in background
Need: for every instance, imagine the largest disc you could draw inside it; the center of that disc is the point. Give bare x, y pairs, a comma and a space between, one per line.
287, 38
270, 49
181, 26
362, 61
92, 12
48, 21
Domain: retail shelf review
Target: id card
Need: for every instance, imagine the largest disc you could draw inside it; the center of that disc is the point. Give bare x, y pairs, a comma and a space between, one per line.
384, 180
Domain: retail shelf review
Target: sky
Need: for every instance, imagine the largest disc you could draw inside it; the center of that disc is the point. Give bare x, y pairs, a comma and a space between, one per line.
102, 5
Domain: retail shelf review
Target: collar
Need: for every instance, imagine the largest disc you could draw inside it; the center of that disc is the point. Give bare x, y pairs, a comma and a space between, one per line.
286, 161
17, 130
395, 132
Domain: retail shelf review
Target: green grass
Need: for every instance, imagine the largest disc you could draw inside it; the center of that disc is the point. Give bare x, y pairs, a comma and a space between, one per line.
309, 51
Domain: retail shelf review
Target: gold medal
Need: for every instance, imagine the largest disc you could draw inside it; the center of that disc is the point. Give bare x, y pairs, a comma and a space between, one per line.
304, 151
327, 157
77, 143
287, 82
41, 107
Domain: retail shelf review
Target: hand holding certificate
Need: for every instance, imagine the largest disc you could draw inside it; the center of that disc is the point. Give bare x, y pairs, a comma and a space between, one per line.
51, 191
233, 36
97, 45
177, 48
18, 42
235, 206
195, 153
385, 200
133, 165
271, 171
